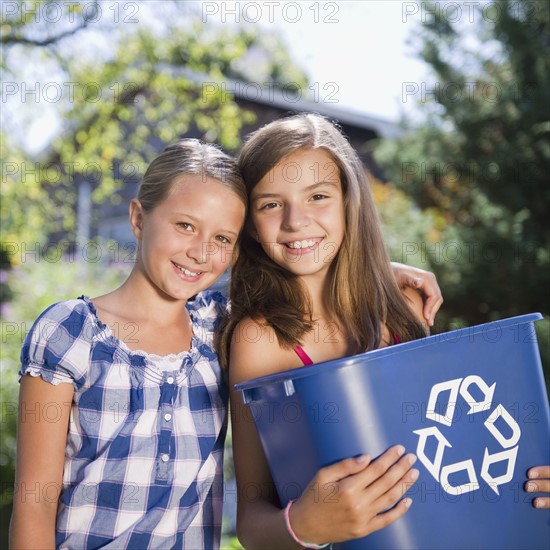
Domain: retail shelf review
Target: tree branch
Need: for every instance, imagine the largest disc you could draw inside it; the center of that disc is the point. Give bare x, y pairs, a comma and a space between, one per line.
10, 40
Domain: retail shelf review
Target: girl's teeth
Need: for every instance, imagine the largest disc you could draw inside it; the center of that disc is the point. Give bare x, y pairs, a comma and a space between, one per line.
187, 272
301, 244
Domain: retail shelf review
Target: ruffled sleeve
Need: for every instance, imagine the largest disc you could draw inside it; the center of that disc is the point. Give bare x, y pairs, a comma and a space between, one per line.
58, 346
208, 308
207, 311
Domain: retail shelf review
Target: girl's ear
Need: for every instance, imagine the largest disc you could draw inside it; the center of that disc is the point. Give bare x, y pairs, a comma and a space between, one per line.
136, 218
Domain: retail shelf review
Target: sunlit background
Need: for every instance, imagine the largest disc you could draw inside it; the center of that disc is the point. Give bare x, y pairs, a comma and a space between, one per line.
447, 104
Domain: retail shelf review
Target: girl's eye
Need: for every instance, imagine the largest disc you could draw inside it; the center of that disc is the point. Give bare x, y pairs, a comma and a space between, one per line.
223, 239
268, 206
318, 197
185, 226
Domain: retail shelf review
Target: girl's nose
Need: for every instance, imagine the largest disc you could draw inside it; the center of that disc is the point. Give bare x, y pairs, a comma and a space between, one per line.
198, 251
295, 217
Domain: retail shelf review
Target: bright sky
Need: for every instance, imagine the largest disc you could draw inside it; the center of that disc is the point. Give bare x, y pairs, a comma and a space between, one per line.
355, 53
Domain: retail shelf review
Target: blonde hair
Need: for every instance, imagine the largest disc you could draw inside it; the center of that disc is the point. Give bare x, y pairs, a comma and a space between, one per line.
363, 293
188, 156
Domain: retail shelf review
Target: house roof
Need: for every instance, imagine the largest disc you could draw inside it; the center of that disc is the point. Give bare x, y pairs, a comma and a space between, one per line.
276, 98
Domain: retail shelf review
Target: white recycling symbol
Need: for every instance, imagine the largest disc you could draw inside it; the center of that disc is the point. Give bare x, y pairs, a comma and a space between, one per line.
509, 442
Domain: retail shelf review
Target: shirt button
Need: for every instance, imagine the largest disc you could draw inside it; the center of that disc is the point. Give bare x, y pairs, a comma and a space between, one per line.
167, 416
170, 380
164, 457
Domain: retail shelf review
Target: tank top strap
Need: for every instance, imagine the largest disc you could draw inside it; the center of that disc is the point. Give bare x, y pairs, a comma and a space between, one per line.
306, 359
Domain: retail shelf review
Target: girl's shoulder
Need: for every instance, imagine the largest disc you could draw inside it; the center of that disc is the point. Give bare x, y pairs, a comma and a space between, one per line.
58, 345
253, 339
71, 315
208, 306
255, 330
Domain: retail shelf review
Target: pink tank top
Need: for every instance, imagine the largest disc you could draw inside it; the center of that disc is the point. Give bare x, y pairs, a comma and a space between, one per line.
306, 359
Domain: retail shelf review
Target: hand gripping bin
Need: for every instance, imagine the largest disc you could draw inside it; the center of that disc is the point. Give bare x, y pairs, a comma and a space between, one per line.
470, 403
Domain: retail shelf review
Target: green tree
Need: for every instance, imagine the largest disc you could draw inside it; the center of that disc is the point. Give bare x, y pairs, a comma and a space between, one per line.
28, 22
154, 88
479, 158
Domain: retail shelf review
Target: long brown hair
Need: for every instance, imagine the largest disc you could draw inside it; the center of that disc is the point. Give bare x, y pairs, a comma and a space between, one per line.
363, 293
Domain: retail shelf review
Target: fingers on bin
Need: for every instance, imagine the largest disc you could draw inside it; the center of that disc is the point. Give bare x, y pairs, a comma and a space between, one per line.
541, 502
341, 470
386, 518
378, 468
539, 472
399, 476
538, 486
389, 498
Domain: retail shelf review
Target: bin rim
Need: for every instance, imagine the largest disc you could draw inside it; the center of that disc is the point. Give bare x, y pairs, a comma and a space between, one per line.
343, 362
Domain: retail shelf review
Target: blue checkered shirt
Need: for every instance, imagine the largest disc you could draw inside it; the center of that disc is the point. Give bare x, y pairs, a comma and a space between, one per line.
144, 457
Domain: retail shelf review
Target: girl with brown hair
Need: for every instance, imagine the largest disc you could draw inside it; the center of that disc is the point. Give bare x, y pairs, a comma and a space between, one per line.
312, 282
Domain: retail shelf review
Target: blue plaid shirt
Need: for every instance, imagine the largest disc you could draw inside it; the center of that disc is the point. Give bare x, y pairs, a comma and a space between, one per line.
144, 458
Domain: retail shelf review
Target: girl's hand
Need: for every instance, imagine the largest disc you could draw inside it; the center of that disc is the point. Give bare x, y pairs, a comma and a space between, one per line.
539, 482
354, 497
424, 281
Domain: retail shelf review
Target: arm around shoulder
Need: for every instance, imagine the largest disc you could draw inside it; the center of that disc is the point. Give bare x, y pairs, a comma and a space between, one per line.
415, 302
425, 281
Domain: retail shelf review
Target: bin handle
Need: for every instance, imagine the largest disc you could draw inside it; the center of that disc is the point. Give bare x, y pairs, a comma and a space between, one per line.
289, 388
246, 397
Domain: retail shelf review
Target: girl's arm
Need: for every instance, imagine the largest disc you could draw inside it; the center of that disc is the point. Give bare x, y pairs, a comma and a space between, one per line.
425, 281
363, 488
43, 421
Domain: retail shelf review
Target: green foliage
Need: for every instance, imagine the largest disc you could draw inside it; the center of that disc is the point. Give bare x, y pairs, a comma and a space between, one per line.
148, 100
153, 87
231, 543
29, 22
481, 159
403, 223
21, 185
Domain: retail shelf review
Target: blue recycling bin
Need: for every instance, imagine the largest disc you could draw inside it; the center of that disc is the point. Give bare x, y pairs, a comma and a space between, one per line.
470, 403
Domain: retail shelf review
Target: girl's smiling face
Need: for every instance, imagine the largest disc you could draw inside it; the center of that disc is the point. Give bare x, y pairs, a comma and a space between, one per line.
297, 212
187, 241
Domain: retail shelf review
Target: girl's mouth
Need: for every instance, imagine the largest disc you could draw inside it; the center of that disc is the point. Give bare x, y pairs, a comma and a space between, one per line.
306, 243
187, 273
302, 246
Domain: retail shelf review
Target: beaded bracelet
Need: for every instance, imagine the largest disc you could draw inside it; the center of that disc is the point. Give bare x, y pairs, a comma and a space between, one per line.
293, 534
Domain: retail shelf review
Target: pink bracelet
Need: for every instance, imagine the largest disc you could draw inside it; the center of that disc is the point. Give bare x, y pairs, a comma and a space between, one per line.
293, 534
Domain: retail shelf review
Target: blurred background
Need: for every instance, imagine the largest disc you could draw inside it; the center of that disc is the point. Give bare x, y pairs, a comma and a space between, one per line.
447, 103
